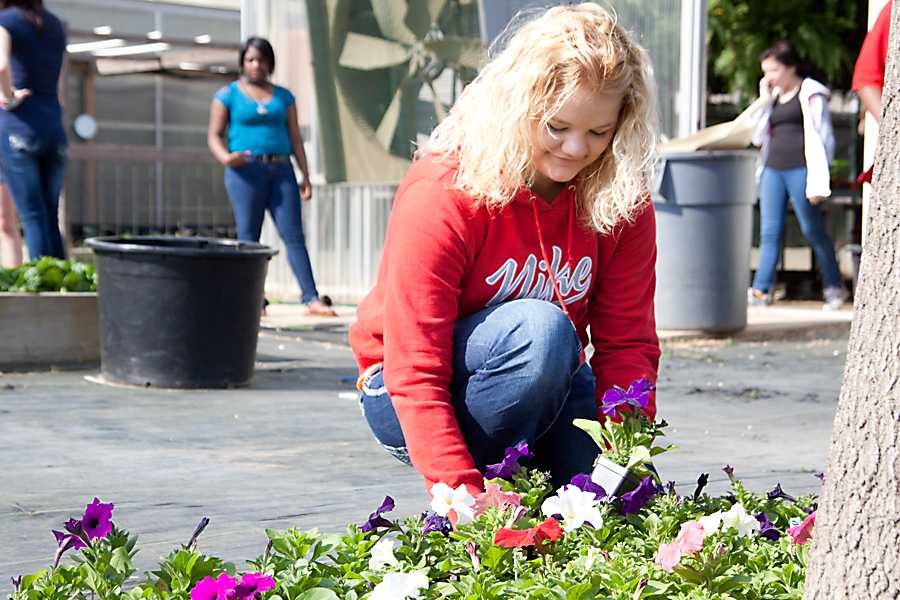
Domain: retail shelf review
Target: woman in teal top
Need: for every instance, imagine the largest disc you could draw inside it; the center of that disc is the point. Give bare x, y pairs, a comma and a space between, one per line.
259, 120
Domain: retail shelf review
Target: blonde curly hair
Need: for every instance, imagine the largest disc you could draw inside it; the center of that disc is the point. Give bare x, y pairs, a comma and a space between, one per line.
488, 132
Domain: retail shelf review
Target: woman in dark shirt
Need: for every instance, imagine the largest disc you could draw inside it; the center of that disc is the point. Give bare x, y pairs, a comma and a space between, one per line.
32, 138
797, 142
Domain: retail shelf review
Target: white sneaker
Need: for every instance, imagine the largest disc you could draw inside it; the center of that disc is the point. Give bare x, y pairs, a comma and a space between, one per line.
834, 297
754, 300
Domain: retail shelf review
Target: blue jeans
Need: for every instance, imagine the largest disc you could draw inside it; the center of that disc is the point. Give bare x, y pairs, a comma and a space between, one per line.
257, 186
515, 377
33, 170
774, 188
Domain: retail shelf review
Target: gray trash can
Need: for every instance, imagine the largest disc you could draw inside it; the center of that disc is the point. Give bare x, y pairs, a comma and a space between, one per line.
704, 211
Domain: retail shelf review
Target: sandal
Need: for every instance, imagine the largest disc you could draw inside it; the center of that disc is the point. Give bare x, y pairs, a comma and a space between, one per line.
317, 308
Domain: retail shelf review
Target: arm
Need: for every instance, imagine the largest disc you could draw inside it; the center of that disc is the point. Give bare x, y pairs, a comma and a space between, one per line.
299, 152
9, 98
870, 96
821, 120
215, 133
868, 73
623, 326
426, 257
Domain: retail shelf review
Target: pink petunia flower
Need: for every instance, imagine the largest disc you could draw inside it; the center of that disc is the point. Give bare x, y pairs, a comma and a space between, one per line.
801, 533
668, 556
493, 496
690, 538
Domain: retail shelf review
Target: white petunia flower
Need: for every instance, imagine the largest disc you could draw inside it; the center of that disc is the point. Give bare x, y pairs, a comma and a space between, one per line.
383, 555
399, 586
736, 517
444, 499
711, 523
575, 506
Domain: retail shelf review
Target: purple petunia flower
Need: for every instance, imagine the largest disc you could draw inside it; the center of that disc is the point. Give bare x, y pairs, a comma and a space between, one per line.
375, 519
96, 520
729, 470
636, 396
72, 536
510, 464
252, 585
584, 483
776, 493
635, 500
767, 528
435, 522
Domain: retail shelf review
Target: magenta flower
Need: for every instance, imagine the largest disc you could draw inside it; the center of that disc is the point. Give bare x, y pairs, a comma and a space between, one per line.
96, 520
800, 534
72, 536
635, 500
510, 463
636, 396
584, 483
375, 519
252, 585
208, 588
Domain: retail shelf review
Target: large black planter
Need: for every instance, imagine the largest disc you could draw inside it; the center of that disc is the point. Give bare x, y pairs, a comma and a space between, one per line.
179, 312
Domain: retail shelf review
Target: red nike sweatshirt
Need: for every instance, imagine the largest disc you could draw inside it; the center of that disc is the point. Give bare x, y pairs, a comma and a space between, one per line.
444, 258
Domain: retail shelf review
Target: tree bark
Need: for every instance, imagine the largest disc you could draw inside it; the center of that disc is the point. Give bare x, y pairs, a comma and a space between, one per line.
856, 542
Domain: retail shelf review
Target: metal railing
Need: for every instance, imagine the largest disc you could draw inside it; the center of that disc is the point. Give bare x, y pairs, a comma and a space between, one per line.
141, 190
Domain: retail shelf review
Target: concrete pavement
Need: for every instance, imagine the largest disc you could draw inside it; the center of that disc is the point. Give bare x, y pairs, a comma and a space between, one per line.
293, 451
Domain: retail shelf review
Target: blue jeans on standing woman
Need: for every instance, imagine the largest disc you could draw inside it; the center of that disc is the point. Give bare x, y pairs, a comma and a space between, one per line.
33, 170
775, 187
516, 376
258, 186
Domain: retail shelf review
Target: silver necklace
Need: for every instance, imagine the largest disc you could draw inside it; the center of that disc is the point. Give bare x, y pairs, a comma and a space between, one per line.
260, 106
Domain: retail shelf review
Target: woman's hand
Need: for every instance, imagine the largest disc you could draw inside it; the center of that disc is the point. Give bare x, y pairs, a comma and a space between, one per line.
816, 200
17, 99
236, 159
305, 189
765, 90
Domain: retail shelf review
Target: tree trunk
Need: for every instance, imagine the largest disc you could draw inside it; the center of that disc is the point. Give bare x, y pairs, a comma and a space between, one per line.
856, 542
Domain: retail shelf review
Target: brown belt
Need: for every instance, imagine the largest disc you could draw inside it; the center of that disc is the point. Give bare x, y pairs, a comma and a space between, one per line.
272, 158
361, 380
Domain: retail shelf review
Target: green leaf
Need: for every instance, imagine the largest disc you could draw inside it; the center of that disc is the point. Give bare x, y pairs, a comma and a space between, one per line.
593, 429
639, 456
120, 561
318, 593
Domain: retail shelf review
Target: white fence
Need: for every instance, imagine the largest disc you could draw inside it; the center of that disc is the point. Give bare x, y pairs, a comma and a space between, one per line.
345, 227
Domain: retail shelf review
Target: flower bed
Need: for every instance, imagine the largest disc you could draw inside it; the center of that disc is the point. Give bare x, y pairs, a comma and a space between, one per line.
517, 539
48, 307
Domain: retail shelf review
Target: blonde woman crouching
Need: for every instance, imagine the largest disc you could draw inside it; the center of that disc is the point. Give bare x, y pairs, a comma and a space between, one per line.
523, 221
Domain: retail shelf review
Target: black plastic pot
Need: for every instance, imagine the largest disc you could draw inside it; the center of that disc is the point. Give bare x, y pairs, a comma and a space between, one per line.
179, 312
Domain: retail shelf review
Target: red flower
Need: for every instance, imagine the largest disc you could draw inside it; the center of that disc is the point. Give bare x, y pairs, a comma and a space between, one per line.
549, 531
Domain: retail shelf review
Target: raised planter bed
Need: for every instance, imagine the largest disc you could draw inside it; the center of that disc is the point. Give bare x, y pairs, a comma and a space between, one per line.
49, 329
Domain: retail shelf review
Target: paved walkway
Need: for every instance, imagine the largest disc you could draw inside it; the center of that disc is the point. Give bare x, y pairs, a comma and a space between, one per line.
292, 450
